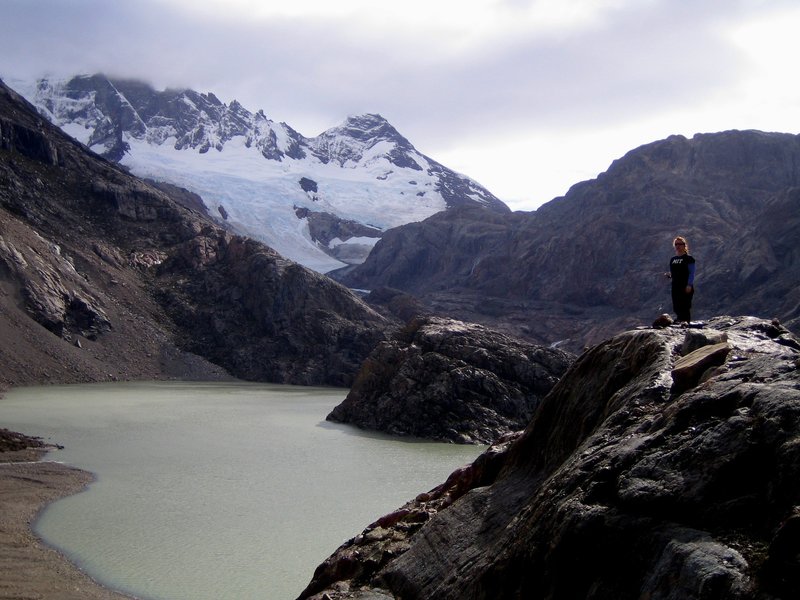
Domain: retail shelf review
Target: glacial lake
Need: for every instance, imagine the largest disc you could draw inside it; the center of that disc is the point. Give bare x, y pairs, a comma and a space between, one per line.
216, 490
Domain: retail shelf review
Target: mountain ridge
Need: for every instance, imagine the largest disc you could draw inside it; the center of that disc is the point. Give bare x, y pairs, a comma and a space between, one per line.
590, 263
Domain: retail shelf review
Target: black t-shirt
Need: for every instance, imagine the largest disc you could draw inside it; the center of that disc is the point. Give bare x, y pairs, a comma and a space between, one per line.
681, 269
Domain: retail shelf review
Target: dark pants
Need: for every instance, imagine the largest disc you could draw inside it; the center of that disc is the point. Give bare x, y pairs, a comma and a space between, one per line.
682, 303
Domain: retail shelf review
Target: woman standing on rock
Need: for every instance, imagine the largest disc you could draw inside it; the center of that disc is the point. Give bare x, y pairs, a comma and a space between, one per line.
681, 271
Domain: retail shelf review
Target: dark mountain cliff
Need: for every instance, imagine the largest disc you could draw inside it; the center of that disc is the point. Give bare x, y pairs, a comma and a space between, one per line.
104, 276
587, 264
664, 464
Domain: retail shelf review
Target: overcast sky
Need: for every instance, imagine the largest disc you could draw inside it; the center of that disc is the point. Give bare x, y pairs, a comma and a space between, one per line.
525, 96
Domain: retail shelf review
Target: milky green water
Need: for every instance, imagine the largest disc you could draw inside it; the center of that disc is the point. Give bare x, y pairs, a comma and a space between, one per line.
216, 490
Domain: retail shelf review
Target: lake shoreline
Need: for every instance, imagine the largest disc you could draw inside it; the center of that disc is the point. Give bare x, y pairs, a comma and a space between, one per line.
30, 568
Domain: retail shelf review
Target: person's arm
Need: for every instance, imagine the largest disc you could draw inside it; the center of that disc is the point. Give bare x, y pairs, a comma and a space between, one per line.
690, 281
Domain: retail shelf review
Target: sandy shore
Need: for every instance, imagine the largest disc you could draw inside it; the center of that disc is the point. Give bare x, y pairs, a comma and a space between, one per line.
29, 568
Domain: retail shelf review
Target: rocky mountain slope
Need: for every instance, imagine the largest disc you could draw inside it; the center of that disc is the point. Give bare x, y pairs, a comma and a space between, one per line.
591, 263
664, 465
103, 276
447, 380
321, 201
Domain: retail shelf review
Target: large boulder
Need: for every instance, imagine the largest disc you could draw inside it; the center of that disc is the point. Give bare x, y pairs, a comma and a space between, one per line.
621, 486
444, 379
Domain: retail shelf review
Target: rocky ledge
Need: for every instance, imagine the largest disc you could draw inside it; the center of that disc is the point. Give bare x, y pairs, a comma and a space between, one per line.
447, 380
11, 441
665, 464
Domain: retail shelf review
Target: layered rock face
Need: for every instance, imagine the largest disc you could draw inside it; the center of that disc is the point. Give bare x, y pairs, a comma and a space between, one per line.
103, 276
447, 380
664, 465
587, 265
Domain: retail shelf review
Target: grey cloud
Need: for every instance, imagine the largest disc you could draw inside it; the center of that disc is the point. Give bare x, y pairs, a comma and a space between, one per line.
636, 65
646, 57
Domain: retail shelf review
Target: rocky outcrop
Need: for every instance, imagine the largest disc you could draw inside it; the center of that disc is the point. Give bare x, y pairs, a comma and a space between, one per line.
335, 234
11, 441
590, 263
447, 380
103, 276
30, 142
54, 294
183, 197
622, 486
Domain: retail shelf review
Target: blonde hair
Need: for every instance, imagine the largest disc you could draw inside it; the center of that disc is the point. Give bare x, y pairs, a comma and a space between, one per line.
681, 239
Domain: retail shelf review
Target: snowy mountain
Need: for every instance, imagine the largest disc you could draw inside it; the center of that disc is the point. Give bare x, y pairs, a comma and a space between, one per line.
321, 201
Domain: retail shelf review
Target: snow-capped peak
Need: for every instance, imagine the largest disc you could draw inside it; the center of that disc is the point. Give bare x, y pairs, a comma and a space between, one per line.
264, 178
364, 138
